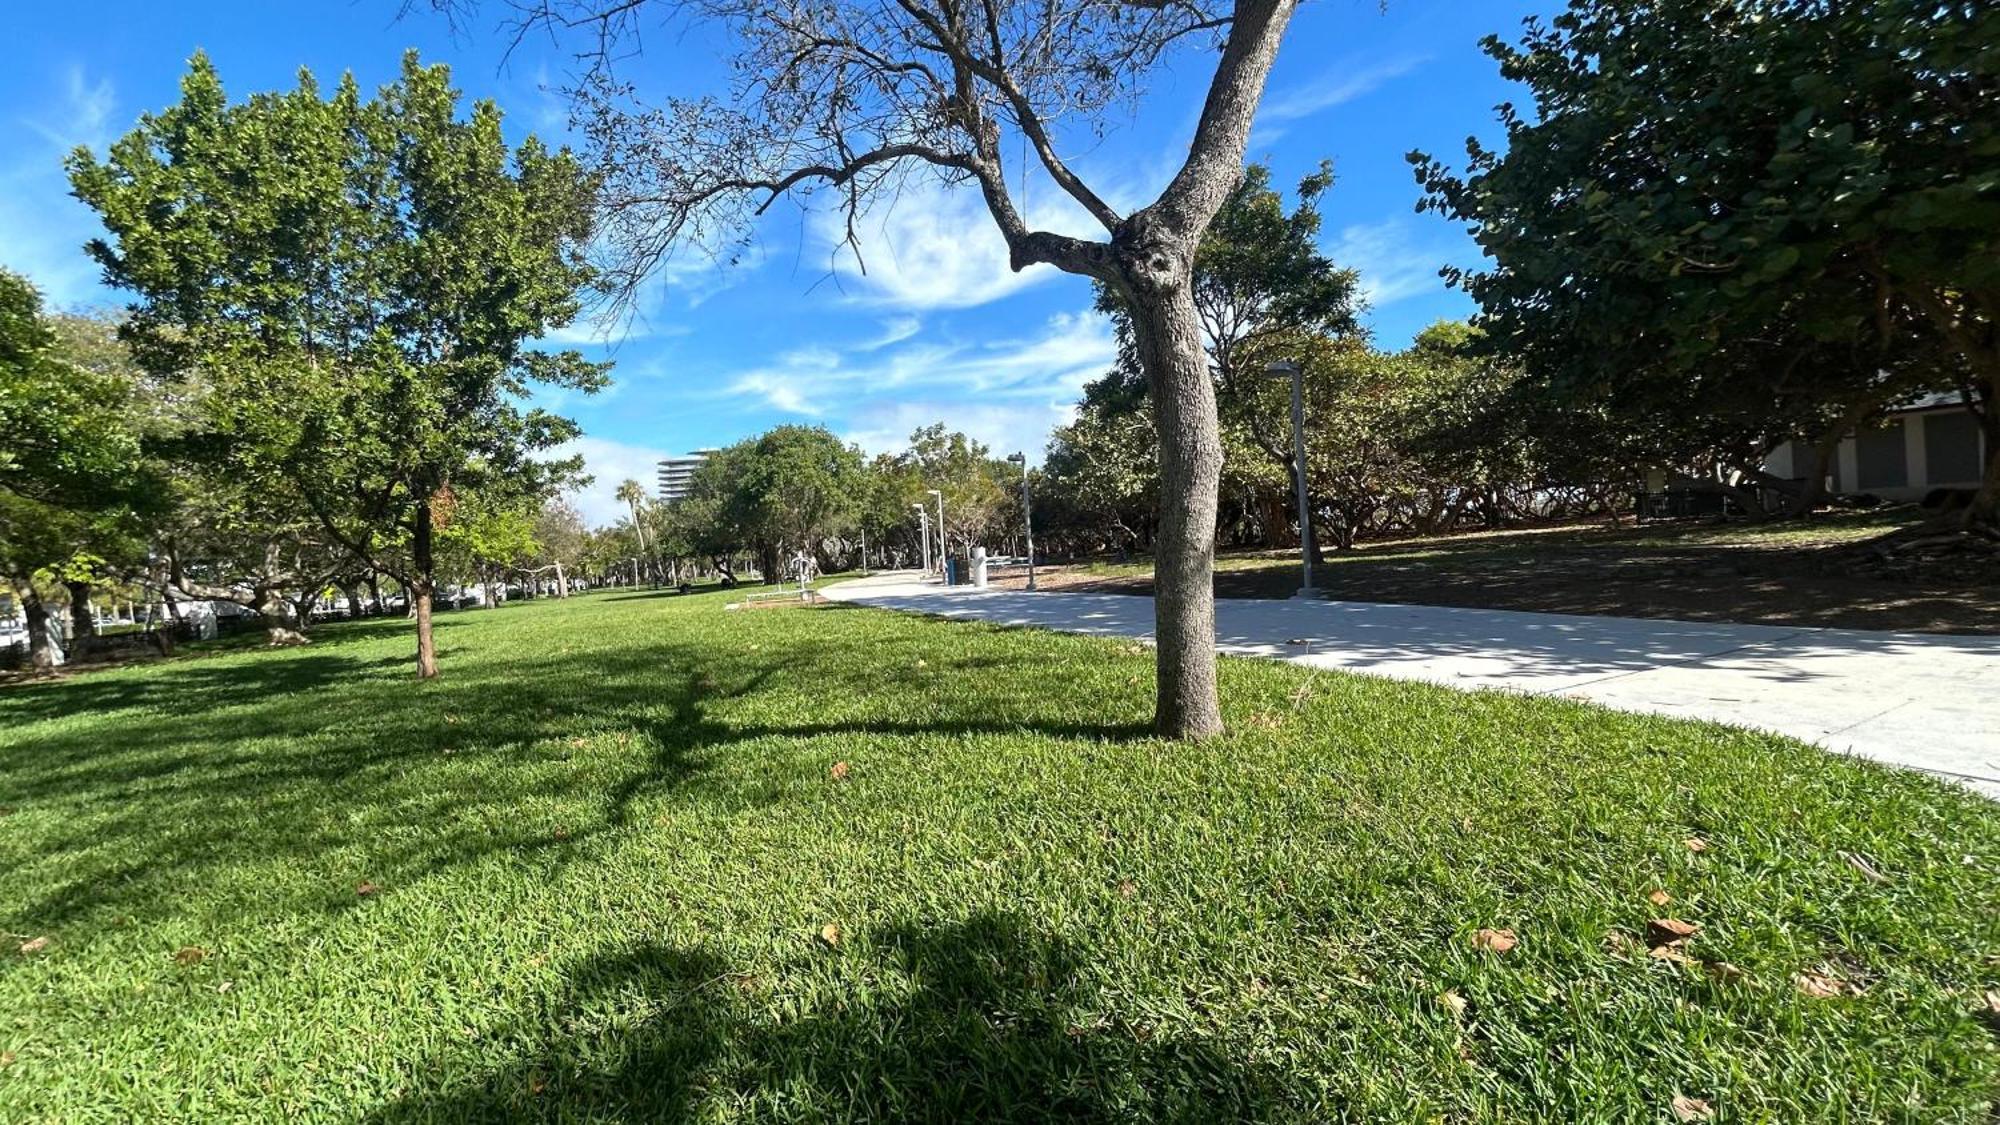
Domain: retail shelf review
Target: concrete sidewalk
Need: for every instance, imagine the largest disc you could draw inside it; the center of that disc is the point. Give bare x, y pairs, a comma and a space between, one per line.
1918, 700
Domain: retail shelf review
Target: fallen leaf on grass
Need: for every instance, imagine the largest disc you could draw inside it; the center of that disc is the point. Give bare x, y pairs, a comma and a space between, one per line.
7, 1058
1820, 985
1265, 720
561, 832
452, 719
365, 889
1659, 897
1127, 888
190, 955
1670, 931
922, 663
1692, 1109
34, 945
1453, 1001
6, 810
1725, 973
839, 771
578, 743
1495, 941
537, 1084
830, 933
1696, 844
225, 986
1866, 868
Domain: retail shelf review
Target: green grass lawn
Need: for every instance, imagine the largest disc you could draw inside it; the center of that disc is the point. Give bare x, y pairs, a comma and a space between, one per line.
616, 868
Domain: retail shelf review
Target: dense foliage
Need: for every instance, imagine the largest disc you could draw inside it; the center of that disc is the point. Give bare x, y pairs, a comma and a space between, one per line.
1726, 223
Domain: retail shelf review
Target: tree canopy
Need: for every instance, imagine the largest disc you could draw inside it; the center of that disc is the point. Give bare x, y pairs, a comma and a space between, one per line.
1729, 222
354, 284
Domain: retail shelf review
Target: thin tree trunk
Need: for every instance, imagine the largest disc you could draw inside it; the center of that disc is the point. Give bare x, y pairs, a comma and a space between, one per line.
420, 593
1985, 506
562, 581
1168, 332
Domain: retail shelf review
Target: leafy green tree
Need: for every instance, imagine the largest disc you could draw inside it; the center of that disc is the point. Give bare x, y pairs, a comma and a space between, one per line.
1729, 222
976, 499
356, 282
561, 542
73, 480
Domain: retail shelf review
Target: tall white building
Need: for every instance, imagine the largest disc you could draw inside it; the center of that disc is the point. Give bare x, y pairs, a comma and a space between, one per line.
677, 472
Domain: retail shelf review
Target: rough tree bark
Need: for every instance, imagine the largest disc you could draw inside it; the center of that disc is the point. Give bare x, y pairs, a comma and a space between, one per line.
279, 617
82, 625
41, 652
1168, 333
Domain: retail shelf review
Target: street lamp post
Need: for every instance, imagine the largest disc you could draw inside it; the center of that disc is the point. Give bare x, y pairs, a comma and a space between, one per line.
923, 533
944, 544
1027, 514
1289, 369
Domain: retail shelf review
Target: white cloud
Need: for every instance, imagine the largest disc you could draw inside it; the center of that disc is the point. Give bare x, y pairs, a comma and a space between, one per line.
1008, 393
1398, 257
1002, 427
933, 246
894, 331
1336, 85
609, 463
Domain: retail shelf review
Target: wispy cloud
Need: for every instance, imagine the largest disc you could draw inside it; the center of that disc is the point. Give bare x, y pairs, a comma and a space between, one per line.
1399, 257
1008, 391
42, 230
1339, 84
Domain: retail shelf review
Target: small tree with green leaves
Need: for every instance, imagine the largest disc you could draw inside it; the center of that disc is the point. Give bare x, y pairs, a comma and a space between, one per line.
357, 282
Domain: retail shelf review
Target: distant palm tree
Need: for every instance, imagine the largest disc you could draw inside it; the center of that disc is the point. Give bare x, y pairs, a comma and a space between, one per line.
633, 494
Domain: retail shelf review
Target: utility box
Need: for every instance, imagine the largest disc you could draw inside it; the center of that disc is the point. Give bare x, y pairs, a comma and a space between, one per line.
979, 567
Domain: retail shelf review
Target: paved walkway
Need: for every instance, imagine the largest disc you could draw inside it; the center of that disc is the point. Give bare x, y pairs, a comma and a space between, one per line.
1918, 700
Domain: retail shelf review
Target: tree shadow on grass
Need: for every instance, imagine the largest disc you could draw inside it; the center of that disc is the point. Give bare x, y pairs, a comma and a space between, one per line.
240, 765
988, 1018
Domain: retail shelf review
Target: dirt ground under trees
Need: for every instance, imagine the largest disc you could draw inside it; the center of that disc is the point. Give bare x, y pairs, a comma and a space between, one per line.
1776, 574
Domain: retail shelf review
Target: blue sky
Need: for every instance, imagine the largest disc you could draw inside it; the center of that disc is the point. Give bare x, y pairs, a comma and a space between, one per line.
936, 329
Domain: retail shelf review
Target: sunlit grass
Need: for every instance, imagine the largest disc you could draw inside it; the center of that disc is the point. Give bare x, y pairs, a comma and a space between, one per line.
613, 871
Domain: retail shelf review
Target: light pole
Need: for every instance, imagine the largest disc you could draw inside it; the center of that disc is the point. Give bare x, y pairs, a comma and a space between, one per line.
944, 545
923, 533
1288, 369
1027, 514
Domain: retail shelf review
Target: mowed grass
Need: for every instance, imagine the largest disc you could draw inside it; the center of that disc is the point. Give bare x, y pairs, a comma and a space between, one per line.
616, 868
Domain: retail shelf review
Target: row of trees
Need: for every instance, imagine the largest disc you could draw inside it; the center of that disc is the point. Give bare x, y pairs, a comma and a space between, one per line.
801, 489
320, 376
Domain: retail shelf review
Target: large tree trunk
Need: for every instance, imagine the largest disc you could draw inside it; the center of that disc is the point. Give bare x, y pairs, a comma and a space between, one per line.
82, 624
1168, 333
279, 619
420, 593
41, 650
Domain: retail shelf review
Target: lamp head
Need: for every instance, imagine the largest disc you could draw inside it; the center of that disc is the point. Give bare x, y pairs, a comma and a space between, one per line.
1281, 368
1017, 458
